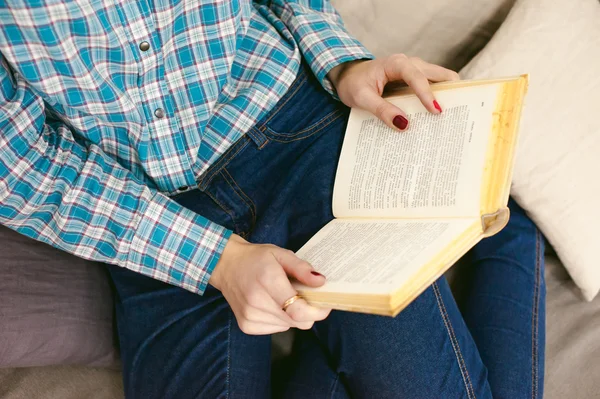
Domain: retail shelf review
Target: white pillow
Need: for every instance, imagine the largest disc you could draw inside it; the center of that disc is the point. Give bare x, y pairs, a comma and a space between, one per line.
440, 31
557, 171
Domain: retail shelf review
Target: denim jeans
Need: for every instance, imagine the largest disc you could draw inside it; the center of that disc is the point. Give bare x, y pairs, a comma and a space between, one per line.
275, 186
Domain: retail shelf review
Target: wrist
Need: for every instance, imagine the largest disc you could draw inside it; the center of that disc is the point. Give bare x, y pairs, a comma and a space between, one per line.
233, 247
336, 73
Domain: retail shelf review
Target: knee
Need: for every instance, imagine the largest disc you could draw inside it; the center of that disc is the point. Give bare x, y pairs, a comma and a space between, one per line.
519, 220
520, 239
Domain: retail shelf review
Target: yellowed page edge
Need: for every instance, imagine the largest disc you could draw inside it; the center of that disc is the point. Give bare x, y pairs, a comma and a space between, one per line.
391, 305
405, 90
376, 257
499, 162
436, 268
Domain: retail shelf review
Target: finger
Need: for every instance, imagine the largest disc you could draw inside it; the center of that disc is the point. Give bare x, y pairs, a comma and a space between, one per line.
246, 312
298, 268
284, 316
255, 315
419, 83
252, 328
400, 67
389, 114
262, 300
280, 289
268, 305
435, 73
305, 326
300, 311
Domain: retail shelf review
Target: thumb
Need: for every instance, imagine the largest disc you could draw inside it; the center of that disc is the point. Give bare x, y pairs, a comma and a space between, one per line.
391, 115
299, 269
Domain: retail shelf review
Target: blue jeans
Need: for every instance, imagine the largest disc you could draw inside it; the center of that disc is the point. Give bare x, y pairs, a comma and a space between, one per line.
275, 186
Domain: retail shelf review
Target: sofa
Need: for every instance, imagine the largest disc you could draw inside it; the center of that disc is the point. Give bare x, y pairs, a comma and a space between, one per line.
57, 333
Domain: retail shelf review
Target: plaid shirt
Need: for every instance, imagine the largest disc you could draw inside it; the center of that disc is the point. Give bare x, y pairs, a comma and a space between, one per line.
107, 108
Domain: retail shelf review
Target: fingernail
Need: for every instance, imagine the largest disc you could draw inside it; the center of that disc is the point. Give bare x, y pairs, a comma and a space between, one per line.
317, 274
400, 122
437, 106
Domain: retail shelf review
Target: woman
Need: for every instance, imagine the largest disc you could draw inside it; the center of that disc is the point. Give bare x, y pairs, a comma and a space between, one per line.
186, 144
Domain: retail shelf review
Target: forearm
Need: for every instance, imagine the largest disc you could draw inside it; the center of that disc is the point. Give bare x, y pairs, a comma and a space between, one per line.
73, 196
320, 33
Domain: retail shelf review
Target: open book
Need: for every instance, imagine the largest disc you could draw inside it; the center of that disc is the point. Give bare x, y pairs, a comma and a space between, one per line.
409, 205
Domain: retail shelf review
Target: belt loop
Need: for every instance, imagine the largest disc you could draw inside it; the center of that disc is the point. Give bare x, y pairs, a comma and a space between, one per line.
257, 136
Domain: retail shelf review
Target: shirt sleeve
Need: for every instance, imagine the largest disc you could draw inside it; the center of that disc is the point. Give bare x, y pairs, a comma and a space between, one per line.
68, 193
320, 33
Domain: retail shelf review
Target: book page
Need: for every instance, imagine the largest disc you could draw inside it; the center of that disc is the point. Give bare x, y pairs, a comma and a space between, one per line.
377, 256
434, 169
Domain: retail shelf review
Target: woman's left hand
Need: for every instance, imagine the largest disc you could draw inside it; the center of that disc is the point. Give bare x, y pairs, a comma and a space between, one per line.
361, 83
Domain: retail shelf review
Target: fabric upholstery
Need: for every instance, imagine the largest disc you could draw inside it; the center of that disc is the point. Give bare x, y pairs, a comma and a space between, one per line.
54, 308
444, 32
572, 331
60, 382
556, 172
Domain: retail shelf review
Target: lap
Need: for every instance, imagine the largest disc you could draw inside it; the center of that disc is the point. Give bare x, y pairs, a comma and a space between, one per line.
175, 344
178, 344
492, 346
424, 352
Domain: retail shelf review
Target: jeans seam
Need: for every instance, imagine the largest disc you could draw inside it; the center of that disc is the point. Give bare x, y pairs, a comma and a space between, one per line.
455, 345
227, 210
227, 380
334, 385
323, 120
321, 125
240, 193
258, 137
221, 163
534, 326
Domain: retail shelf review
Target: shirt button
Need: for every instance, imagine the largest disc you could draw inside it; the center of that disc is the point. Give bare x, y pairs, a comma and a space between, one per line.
144, 46
159, 113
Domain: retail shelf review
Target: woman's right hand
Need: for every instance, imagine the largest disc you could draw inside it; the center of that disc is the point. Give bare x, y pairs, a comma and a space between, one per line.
254, 280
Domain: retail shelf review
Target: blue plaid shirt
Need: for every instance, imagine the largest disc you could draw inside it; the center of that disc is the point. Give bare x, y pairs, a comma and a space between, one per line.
108, 107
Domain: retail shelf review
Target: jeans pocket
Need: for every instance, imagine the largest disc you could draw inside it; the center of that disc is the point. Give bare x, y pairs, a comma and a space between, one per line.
302, 132
306, 109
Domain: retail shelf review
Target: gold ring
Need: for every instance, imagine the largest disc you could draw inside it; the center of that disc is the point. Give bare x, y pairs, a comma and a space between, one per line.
287, 303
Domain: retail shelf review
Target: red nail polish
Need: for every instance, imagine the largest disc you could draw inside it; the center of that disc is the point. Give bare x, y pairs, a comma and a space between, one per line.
437, 106
400, 122
316, 274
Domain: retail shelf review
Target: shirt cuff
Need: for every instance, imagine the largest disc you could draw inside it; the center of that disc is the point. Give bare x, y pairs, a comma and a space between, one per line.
326, 44
175, 245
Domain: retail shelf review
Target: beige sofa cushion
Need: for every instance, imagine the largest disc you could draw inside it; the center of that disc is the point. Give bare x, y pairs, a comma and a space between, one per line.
60, 382
440, 31
572, 331
557, 168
